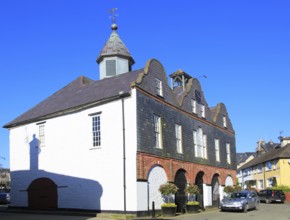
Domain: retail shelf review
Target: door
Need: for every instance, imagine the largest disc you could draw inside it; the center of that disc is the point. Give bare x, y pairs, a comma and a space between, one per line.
42, 194
215, 191
180, 197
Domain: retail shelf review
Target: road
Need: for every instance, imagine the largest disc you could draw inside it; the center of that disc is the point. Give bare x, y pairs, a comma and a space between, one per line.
271, 211
266, 212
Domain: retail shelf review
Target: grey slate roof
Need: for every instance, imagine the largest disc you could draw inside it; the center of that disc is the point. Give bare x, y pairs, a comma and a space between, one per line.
275, 153
242, 157
115, 47
80, 92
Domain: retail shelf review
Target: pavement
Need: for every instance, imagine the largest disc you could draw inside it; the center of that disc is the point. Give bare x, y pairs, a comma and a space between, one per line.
101, 216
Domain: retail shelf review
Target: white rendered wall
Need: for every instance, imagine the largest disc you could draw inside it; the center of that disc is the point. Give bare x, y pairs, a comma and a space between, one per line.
91, 176
207, 194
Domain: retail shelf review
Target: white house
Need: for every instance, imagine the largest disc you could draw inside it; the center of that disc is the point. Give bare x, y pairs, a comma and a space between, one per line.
107, 145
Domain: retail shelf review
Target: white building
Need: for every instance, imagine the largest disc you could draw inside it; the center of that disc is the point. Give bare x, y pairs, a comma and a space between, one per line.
108, 145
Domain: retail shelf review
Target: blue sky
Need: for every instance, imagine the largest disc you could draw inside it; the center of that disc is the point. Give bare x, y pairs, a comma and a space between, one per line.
242, 46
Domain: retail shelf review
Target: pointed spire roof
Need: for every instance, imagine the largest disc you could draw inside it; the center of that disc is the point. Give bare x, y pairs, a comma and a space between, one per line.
115, 47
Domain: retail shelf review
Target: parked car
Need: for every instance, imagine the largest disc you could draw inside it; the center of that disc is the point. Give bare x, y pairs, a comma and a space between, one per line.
4, 197
269, 195
242, 201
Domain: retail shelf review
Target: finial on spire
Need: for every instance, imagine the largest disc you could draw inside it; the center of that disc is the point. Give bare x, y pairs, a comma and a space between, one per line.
113, 16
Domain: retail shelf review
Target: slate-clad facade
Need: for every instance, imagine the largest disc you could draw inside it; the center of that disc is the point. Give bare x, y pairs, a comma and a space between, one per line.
126, 165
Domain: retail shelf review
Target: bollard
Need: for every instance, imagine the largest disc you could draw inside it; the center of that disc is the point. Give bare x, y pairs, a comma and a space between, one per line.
153, 209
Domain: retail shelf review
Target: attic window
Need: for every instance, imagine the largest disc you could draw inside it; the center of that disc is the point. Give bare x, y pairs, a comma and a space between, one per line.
225, 121
158, 85
111, 67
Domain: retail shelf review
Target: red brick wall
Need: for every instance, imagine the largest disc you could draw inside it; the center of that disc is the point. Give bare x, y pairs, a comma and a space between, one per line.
145, 162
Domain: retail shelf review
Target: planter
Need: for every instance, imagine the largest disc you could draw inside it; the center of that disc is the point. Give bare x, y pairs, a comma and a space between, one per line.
192, 208
168, 211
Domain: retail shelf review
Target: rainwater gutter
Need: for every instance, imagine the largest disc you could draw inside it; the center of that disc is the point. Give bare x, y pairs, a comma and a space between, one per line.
124, 95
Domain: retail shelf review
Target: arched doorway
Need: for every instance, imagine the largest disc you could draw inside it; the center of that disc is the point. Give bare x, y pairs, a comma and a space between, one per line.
215, 190
180, 197
42, 194
156, 177
199, 183
229, 181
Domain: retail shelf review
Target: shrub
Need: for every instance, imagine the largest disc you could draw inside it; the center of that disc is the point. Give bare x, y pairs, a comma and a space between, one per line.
170, 204
192, 203
229, 189
285, 189
168, 189
192, 189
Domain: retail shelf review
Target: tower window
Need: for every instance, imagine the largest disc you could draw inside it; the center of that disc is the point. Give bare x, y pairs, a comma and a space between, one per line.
111, 67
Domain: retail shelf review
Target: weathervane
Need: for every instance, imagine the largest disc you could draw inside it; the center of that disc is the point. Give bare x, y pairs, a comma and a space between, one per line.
114, 15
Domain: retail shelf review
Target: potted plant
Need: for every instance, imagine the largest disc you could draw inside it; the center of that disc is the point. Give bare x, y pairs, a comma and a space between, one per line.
192, 191
168, 190
230, 189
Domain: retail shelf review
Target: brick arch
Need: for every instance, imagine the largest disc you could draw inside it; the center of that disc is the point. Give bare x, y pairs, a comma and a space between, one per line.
150, 162
146, 161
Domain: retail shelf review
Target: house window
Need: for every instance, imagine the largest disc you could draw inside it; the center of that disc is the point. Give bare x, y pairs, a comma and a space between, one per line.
200, 143
96, 130
193, 106
158, 85
178, 137
260, 167
268, 165
271, 182
157, 131
217, 149
204, 146
202, 111
228, 150
41, 135
225, 121
274, 164
260, 184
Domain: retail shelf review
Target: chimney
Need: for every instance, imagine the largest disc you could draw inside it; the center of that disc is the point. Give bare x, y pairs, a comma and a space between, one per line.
285, 141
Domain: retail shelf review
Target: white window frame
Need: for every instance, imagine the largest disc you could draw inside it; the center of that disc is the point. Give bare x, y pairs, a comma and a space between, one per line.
157, 131
178, 137
274, 164
41, 135
200, 143
202, 111
193, 106
217, 149
96, 130
268, 166
228, 151
158, 85
225, 121
260, 184
204, 146
195, 142
260, 168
